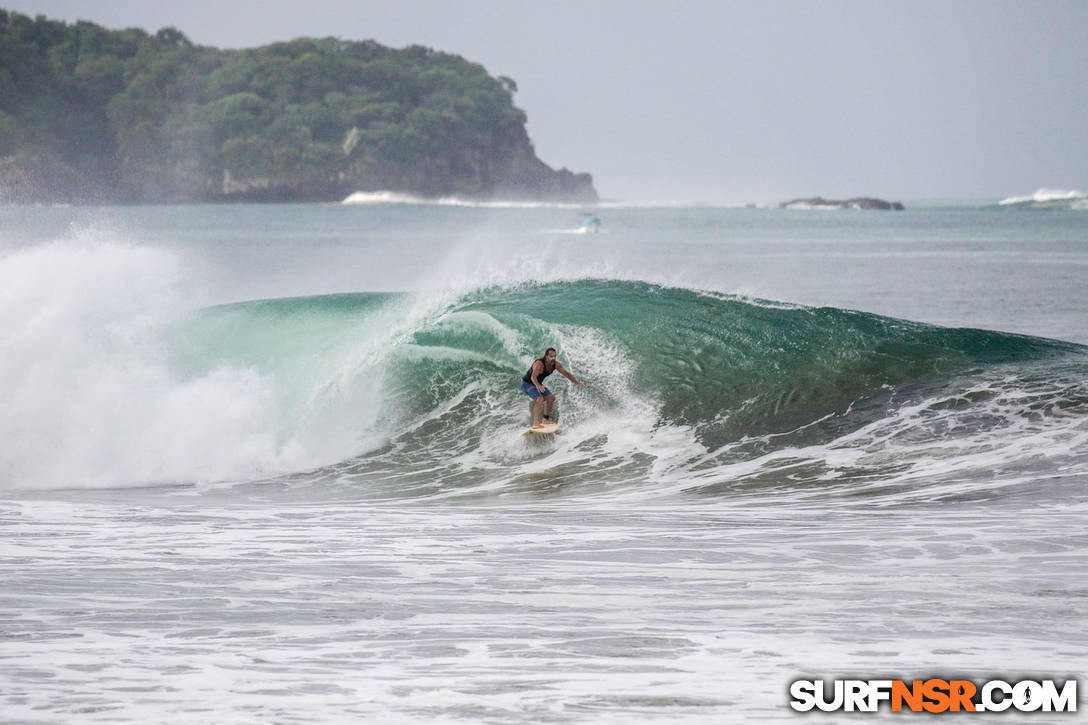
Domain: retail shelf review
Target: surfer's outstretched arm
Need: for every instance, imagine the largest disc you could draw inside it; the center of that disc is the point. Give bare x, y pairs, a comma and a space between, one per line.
567, 375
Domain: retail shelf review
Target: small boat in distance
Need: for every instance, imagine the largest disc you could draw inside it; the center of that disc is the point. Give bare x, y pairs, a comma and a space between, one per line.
590, 225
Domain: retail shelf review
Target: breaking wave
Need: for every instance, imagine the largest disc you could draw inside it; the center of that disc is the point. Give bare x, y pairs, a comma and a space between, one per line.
1049, 199
106, 382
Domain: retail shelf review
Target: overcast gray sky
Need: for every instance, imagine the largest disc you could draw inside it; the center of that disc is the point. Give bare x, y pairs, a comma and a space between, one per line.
716, 100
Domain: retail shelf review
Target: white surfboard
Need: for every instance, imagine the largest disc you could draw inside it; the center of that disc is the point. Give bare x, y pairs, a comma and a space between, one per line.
546, 429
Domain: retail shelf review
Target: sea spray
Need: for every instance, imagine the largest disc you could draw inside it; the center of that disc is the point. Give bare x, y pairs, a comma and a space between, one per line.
100, 387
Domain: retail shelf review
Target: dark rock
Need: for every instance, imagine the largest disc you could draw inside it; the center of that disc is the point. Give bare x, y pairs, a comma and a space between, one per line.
861, 202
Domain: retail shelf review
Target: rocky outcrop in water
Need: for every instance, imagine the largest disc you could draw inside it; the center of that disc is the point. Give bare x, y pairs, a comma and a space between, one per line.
861, 202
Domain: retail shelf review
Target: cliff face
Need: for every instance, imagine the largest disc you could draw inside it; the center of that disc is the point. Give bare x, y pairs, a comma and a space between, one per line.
508, 172
527, 177
89, 114
520, 176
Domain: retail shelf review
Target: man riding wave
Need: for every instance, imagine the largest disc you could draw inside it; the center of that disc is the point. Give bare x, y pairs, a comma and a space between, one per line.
532, 385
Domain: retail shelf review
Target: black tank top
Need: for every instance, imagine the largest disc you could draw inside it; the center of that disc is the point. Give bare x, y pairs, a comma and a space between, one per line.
528, 377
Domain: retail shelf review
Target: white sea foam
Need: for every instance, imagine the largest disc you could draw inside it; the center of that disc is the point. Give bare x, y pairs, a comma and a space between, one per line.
576, 231
382, 197
926, 450
589, 613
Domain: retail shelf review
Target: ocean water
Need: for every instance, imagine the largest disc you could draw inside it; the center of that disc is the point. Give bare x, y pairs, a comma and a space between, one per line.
263, 463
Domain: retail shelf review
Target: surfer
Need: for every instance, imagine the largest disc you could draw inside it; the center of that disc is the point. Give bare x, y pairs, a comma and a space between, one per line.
543, 399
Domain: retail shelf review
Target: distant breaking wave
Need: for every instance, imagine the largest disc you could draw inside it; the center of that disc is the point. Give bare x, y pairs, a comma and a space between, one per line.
1050, 198
382, 197
396, 197
1042, 199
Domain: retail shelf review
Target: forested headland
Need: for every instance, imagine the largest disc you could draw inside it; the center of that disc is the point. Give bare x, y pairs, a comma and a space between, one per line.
89, 114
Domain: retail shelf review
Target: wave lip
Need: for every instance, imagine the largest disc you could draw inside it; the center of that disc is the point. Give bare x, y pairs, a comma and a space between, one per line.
1046, 196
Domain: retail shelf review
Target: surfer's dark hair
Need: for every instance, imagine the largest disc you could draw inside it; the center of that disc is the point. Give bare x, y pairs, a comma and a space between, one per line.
550, 349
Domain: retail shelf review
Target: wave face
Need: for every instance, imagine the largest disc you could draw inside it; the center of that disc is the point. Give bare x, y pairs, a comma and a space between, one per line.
414, 395
694, 391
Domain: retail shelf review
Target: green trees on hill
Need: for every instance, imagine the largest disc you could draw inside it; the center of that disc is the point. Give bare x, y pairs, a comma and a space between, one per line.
125, 115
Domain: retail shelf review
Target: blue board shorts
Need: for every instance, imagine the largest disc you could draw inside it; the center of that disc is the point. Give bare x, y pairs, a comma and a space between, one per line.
530, 390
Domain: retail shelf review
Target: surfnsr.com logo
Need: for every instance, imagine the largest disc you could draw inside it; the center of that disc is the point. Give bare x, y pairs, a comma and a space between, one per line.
934, 695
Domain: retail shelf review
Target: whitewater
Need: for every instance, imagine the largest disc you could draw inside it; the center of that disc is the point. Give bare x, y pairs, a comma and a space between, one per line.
264, 463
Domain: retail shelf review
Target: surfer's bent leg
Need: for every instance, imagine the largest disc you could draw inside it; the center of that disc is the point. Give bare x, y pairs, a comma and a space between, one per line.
538, 401
550, 398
